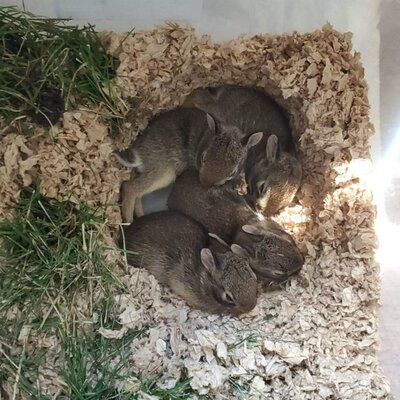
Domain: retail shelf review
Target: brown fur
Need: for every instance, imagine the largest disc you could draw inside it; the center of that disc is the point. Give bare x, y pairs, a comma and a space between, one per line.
273, 254
252, 110
169, 245
272, 185
173, 141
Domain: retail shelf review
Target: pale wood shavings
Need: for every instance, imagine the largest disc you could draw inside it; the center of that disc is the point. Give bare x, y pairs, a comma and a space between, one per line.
75, 163
324, 322
316, 337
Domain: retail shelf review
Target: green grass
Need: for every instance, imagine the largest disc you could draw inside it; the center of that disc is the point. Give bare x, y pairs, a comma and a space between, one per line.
180, 391
52, 257
251, 340
47, 65
51, 252
268, 317
237, 387
23, 369
90, 364
93, 363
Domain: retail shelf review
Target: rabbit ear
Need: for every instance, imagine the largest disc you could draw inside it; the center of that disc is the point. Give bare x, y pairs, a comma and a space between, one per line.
254, 139
239, 250
251, 229
212, 124
216, 237
207, 259
272, 148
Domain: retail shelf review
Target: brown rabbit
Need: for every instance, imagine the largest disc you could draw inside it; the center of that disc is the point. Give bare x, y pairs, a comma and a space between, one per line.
174, 140
175, 249
272, 169
272, 252
272, 179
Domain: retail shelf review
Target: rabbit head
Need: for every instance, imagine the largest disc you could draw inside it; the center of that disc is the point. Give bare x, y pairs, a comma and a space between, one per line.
273, 180
224, 154
234, 284
272, 252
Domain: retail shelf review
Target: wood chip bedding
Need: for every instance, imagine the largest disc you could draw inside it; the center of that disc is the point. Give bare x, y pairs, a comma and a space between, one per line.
316, 336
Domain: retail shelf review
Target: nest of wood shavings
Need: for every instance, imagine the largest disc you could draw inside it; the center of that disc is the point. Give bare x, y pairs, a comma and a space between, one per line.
315, 337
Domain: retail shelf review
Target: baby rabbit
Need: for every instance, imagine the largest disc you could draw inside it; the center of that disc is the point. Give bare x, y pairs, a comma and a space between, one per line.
272, 169
272, 252
175, 249
174, 140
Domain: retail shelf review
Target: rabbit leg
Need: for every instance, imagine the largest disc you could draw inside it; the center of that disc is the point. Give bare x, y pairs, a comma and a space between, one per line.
139, 185
138, 207
128, 201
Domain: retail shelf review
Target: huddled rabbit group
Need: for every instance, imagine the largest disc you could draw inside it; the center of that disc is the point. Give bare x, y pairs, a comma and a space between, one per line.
215, 243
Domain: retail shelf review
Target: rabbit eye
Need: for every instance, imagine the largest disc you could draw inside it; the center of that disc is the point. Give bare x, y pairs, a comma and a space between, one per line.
235, 172
261, 186
228, 298
232, 175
